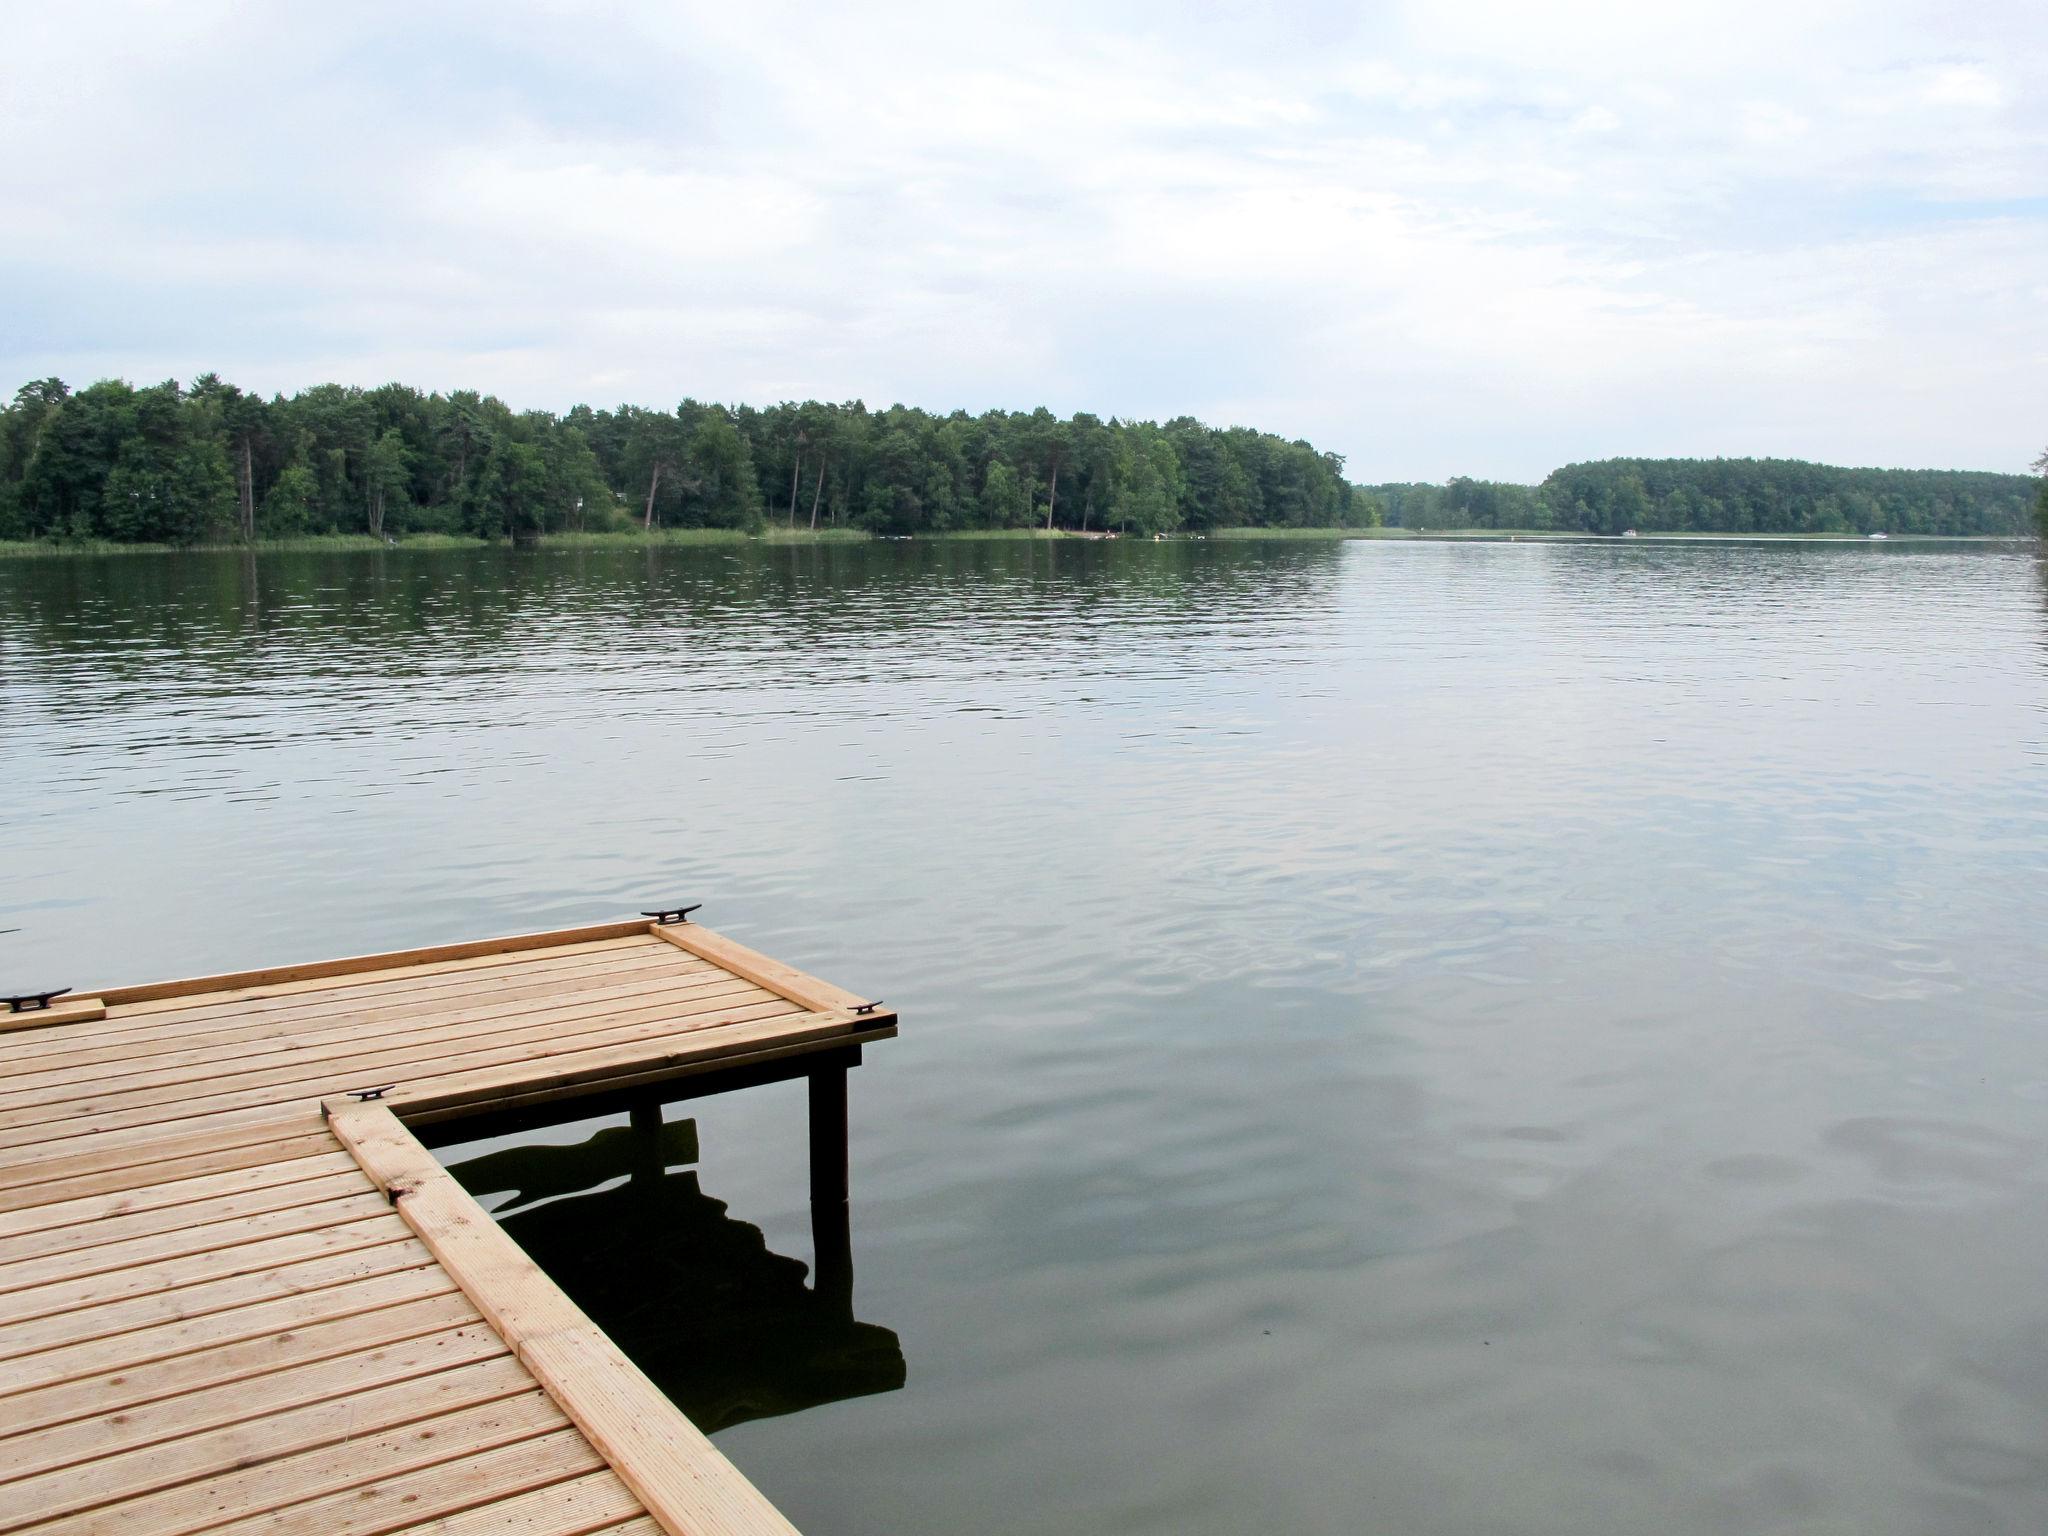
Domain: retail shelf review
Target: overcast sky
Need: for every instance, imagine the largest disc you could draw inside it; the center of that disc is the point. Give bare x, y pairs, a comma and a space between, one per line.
1484, 237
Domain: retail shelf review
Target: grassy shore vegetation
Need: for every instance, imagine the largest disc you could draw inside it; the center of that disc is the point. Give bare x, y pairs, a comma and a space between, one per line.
1386, 532
690, 538
1535, 535
328, 543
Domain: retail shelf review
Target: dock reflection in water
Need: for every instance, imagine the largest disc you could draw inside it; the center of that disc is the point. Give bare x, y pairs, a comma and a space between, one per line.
730, 1330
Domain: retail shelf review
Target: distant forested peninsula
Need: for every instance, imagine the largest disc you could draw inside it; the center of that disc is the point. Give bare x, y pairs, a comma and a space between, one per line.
1728, 496
210, 463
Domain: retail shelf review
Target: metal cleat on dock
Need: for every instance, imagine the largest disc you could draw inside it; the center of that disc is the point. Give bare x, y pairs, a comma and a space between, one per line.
33, 1002
673, 914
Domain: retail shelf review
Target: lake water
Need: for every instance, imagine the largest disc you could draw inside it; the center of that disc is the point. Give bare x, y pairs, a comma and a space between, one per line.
1465, 1039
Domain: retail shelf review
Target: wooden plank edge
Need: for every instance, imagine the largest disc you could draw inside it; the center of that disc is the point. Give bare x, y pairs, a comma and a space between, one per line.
237, 1082
319, 969
645, 1075
685, 1482
288, 997
138, 1040
79, 1010
762, 970
704, 1049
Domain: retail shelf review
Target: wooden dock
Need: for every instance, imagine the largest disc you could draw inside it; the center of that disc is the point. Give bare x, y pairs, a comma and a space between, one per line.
237, 1293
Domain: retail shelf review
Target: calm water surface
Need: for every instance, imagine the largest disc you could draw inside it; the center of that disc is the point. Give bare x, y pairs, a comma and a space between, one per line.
1414, 1039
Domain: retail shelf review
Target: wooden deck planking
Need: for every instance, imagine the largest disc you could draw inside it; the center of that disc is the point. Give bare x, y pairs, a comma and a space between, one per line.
131, 1472
105, 1394
85, 1210
212, 1318
390, 1367
158, 1049
239, 1081
135, 1345
41, 1161
141, 1025
35, 1181
344, 1016
104, 1119
116, 1227
355, 969
397, 1498
329, 1203
169, 1279
595, 1504
335, 1462
283, 998
172, 1043
235, 1064
505, 982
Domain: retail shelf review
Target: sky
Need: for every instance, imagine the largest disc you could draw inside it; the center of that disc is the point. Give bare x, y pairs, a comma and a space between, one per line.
1480, 237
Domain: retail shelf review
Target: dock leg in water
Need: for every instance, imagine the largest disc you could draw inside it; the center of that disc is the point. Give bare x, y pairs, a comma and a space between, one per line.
831, 1218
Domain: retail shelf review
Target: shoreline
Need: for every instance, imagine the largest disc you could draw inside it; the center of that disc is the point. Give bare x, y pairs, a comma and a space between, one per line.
684, 538
1574, 536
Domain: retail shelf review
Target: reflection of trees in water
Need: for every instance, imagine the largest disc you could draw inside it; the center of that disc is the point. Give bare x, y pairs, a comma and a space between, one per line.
349, 611
2041, 575
728, 1329
405, 612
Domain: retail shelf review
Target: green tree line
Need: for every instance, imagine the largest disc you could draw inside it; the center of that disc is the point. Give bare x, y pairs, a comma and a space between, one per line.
2041, 501
1729, 496
166, 463
174, 464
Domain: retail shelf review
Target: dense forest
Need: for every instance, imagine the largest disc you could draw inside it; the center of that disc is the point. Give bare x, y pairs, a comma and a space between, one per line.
171, 464
1727, 496
176, 465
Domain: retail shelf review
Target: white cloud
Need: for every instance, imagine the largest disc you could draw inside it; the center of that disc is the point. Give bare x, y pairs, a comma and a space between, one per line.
1478, 237
1962, 85
1768, 125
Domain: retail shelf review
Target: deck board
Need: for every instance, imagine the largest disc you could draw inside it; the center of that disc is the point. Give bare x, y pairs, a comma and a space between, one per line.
216, 1226
361, 988
171, 1193
390, 1367
292, 1429
167, 1043
238, 1080
213, 1318
595, 1504
34, 1186
398, 1497
388, 1278
101, 1393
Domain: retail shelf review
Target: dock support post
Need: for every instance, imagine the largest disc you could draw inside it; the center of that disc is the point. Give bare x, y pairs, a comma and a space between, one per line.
831, 1216
828, 1135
